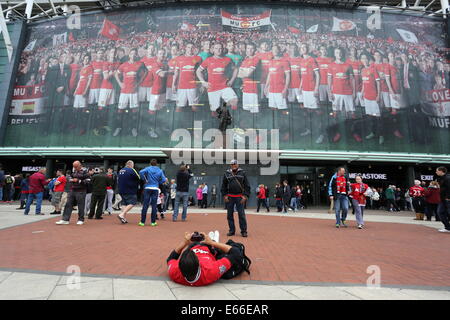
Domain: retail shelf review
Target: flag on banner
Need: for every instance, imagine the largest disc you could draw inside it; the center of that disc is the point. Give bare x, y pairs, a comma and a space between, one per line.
294, 30
59, 39
313, 28
187, 27
407, 36
30, 46
254, 22
342, 25
110, 30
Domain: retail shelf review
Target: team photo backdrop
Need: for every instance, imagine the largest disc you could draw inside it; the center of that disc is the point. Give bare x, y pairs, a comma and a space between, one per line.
328, 79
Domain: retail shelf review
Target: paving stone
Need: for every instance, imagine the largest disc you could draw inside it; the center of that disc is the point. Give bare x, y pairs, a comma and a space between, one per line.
322, 293
262, 292
215, 291
22, 286
126, 289
96, 290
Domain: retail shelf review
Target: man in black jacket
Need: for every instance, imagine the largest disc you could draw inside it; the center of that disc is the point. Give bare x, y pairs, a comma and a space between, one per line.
286, 196
444, 206
235, 191
99, 184
183, 176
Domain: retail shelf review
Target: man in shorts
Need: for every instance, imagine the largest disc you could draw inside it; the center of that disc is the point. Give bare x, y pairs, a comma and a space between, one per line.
58, 190
128, 180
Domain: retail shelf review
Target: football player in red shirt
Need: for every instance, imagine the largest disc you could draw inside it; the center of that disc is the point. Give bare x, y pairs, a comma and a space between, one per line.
392, 77
294, 61
356, 66
417, 194
218, 85
170, 95
265, 55
129, 76
250, 100
145, 89
382, 69
97, 77
158, 94
80, 95
323, 62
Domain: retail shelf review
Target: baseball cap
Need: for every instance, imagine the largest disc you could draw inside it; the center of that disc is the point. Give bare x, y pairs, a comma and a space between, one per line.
234, 161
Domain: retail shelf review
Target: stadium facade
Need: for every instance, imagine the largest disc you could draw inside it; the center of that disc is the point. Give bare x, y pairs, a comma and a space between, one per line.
363, 87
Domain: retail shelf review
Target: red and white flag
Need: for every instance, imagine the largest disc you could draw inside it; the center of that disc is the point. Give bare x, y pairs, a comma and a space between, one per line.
342, 25
187, 27
110, 30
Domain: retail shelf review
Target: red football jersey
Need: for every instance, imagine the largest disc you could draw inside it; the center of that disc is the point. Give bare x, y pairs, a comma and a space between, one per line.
250, 85
416, 191
85, 74
148, 80
217, 68
211, 269
341, 184
277, 73
382, 69
159, 83
295, 72
186, 66
97, 76
75, 68
130, 73
357, 192
369, 78
109, 66
393, 75
323, 63
307, 70
356, 66
340, 78
265, 58
172, 65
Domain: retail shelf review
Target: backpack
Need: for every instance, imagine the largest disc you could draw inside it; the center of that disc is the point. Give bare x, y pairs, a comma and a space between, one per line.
238, 267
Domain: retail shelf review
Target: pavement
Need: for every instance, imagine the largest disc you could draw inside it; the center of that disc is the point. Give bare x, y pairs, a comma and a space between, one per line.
296, 256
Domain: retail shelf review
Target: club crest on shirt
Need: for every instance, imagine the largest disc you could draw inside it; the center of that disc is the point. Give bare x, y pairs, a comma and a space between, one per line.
222, 269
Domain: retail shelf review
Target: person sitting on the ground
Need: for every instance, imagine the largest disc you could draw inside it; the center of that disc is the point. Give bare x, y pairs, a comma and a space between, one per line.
198, 264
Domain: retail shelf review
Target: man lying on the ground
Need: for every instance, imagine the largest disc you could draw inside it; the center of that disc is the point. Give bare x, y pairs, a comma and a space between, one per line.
198, 265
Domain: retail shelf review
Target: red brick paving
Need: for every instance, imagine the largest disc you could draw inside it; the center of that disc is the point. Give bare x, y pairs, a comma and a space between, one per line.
282, 249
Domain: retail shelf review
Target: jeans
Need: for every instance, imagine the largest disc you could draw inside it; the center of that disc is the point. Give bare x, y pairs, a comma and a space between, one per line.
264, 203
341, 203
294, 203
444, 212
38, 197
236, 201
150, 199
87, 202
359, 212
180, 196
279, 205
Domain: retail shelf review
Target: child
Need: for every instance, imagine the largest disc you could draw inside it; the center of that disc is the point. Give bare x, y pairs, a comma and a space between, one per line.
160, 203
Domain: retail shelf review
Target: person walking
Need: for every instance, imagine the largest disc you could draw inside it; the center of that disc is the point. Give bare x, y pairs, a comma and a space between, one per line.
235, 190
262, 198
279, 197
444, 207
375, 199
58, 190
213, 196
152, 176
358, 192
172, 193
128, 181
77, 193
390, 199
266, 188
37, 184
182, 191
205, 196
100, 183
417, 194
9, 187
286, 196
338, 190
432, 200
24, 191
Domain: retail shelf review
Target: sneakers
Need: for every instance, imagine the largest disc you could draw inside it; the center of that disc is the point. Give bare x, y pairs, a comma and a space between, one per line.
80, 223
320, 139
154, 224
62, 222
214, 236
338, 225
370, 136
117, 132
343, 224
444, 230
141, 224
305, 133
360, 226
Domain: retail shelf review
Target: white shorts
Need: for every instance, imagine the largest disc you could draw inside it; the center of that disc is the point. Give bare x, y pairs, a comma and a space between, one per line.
359, 99
226, 94
386, 99
295, 93
93, 96
106, 97
277, 101
170, 95
130, 99
79, 101
144, 93
396, 101
310, 100
342, 101
157, 101
250, 102
187, 96
323, 93
372, 108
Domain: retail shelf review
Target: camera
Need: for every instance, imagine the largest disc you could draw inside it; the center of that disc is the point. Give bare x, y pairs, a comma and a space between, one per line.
197, 237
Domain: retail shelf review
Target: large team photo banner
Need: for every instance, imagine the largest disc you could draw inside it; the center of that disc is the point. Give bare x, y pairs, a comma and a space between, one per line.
326, 79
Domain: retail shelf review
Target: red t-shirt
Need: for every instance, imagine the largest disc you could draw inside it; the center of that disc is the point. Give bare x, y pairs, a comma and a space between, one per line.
356, 66
369, 78
295, 72
172, 65
159, 83
217, 68
416, 191
308, 67
96, 82
278, 68
75, 68
357, 192
60, 187
186, 65
109, 66
211, 269
341, 184
85, 74
250, 84
323, 63
148, 80
340, 75
265, 58
382, 69
130, 73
